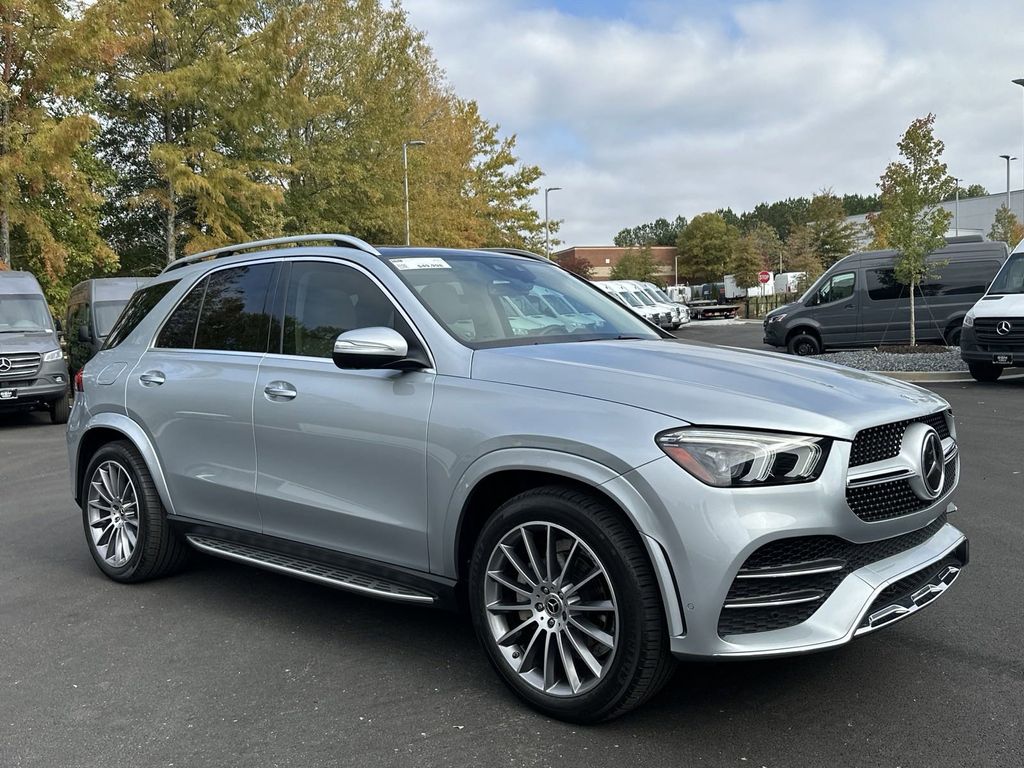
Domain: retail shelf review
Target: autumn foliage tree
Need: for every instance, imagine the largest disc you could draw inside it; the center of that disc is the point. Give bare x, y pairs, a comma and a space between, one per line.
575, 264
1006, 227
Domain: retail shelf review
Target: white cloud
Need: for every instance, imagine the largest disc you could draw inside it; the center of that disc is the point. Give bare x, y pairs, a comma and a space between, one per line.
768, 100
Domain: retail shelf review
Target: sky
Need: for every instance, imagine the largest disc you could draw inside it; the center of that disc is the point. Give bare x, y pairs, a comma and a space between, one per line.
642, 109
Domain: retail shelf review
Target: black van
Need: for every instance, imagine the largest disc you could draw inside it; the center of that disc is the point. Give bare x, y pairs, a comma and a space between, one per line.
858, 303
93, 306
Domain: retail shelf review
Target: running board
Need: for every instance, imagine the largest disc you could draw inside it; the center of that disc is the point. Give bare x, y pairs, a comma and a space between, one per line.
332, 576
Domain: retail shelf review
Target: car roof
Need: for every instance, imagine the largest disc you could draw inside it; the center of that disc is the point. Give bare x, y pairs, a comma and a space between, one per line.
19, 282
109, 288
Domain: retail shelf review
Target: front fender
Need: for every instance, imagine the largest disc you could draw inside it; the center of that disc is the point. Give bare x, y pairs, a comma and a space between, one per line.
118, 422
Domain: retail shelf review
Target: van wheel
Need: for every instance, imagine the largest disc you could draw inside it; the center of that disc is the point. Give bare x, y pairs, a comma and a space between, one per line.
125, 523
953, 336
567, 606
60, 410
804, 344
985, 372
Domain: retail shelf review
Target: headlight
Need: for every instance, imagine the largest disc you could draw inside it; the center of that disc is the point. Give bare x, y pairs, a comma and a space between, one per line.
736, 458
776, 318
969, 319
55, 354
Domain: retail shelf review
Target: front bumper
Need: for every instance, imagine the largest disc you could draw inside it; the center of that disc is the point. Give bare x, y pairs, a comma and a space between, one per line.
974, 351
773, 335
49, 383
708, 534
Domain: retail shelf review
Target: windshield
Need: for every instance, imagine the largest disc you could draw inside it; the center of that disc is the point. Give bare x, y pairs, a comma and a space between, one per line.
643, 298
661, 295
24, 312
1011, 277
479, 298
105, 313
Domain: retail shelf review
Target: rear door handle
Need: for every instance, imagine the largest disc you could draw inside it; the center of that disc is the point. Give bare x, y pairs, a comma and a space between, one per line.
279, 390
152, 378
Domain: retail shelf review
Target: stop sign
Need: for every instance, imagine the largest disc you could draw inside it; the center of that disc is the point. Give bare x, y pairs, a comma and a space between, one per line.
763, 277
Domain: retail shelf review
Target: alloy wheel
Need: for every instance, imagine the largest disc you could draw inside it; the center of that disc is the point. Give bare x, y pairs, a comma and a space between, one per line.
113, 513
551, 609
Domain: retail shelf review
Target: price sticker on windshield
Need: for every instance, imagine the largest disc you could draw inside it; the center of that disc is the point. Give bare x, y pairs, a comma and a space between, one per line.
420, 263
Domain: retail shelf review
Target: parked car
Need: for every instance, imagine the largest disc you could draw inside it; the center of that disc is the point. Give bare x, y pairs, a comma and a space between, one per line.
664, 315
645, 310
681, 314
993, 331
601, 501
33, 372
858, 301
93, 306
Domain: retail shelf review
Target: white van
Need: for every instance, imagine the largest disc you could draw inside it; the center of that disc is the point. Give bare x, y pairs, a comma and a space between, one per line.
993, 333
680, 312
631, 300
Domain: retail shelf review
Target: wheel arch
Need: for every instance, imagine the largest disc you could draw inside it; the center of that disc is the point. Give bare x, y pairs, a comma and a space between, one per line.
108, 427
804, 326
498, 476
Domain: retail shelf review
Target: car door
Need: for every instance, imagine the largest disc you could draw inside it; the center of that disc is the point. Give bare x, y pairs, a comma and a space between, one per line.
341, 453
836, 308
885, 312
193, 391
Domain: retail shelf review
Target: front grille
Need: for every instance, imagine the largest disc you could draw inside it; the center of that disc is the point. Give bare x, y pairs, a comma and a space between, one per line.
23, 365
17, 383
802, 554
985, 330
884, 441
884, 501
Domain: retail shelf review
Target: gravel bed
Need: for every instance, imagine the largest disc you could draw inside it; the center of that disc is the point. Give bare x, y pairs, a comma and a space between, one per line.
873, 360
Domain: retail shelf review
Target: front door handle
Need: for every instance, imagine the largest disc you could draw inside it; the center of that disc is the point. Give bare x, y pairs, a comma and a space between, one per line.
279, 390
152, 378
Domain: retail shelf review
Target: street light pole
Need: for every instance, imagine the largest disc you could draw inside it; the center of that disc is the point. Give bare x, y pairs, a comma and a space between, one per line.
956, 210
547, 225
1008, 158
405, 169
1020, 81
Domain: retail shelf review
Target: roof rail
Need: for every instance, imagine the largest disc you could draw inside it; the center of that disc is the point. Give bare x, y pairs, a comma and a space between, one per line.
341, 241
515, 252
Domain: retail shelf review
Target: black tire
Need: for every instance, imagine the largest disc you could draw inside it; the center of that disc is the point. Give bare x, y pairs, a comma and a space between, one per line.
804, 344
60, 409
159, 549
640, 662
985, 372
953, 336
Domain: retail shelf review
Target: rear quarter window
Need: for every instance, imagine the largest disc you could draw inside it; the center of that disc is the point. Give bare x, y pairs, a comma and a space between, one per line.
140, 305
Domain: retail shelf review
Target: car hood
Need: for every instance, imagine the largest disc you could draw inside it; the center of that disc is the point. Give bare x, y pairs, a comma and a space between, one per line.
783, 309
711, 385
1004, 305
27, 342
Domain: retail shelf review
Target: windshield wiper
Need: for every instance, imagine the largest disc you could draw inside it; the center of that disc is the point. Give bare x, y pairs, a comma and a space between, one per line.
24, 330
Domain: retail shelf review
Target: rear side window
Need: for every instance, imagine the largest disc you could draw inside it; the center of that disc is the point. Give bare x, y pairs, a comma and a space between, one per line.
179, 331
140, 305
234, 316
882, 285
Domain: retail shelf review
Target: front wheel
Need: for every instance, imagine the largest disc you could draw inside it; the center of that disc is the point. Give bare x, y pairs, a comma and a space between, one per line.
567, 607
60, 410
803, 344
985, 372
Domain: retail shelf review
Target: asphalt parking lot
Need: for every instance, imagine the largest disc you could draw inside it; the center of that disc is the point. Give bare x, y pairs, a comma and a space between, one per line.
225, 665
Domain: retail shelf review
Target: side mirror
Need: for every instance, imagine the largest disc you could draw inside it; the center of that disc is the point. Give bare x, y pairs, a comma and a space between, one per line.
57, 326
84, 334
377, 347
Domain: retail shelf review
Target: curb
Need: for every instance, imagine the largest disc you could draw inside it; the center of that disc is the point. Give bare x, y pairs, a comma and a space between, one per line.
938, 377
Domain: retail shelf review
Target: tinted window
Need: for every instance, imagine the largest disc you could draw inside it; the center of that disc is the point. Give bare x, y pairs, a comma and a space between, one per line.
882, 285
324, 300
179, 332
959, 278
839, 287
138, 307
234, 315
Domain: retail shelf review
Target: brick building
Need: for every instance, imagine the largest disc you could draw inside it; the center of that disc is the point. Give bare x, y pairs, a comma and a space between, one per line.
602, 258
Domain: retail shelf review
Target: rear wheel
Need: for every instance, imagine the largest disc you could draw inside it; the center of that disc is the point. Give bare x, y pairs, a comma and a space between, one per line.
126, 527
985, 372
60, 409
804, 344
567, 607
953, 336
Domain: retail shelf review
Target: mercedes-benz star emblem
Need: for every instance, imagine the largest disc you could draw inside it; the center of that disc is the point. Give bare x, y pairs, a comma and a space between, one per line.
1003, 327
933, 472
5, 365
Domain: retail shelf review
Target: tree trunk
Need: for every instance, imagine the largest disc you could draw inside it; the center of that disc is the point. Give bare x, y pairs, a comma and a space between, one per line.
913, 317
5, 212
171, 225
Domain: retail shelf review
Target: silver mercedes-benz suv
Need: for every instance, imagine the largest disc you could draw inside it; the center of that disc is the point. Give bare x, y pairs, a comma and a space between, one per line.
602, 498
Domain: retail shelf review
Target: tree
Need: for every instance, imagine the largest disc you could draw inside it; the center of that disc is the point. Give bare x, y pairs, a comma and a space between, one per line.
854, 205
191, 112
765, 242
802, 256
706, 248
635, 264
1006, 227
46, 200
658, 232
575, 264
782, 216
832, 235
746, 262
909, 220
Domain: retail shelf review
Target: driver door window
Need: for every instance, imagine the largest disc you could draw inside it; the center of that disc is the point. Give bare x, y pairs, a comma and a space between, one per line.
838, 288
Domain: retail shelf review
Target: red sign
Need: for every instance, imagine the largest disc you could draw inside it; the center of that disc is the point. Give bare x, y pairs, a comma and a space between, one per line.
763, 277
